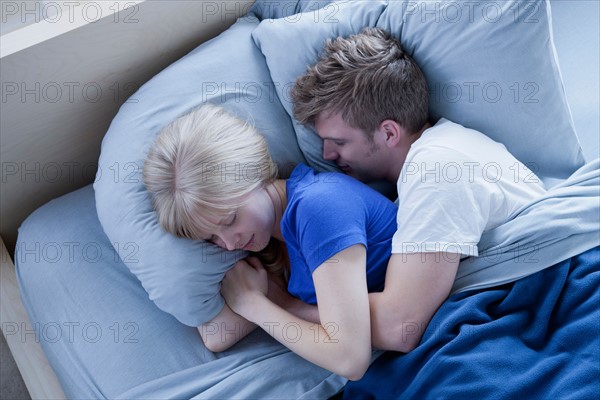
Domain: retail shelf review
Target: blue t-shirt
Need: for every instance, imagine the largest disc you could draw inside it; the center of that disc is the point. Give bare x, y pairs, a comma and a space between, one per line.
327, 213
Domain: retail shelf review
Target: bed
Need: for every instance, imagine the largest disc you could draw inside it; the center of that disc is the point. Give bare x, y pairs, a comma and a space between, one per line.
114, 303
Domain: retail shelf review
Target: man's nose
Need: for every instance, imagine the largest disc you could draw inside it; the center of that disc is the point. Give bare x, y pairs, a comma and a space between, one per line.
329, 152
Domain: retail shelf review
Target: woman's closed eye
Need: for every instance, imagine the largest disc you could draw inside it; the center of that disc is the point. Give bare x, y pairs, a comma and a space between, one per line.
215, 239
232, 220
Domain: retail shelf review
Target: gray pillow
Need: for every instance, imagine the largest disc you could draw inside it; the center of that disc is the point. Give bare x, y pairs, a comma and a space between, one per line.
182, 276
490, 66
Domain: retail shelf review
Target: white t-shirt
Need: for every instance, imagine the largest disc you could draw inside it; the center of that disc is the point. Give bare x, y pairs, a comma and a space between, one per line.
455, 184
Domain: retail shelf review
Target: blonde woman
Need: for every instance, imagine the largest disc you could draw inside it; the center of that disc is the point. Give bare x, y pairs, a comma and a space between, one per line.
211, 178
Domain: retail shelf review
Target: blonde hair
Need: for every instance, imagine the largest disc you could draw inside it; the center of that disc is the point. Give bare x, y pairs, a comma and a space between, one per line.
368, 78
204, 163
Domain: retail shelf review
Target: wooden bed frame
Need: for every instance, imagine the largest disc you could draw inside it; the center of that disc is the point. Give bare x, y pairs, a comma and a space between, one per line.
63, 80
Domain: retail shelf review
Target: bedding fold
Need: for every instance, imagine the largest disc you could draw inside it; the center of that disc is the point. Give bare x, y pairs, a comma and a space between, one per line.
559, 225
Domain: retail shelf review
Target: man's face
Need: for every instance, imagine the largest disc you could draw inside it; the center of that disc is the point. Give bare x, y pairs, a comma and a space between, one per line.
350, 148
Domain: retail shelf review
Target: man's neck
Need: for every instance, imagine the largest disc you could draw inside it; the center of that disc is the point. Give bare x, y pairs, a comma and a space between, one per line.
400, 156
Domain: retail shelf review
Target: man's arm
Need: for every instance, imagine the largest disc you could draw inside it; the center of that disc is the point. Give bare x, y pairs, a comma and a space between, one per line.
415, 286
279, 295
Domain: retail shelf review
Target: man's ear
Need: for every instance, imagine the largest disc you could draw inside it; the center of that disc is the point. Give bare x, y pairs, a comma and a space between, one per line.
393, 133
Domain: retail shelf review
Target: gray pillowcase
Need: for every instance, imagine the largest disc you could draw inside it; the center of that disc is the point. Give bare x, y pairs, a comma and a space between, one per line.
490, 66
183, 276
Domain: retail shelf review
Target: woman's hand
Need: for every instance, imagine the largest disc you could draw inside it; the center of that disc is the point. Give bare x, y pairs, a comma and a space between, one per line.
242, 284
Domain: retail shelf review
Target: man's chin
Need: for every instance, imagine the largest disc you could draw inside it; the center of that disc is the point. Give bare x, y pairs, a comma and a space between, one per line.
346, 170
364, 178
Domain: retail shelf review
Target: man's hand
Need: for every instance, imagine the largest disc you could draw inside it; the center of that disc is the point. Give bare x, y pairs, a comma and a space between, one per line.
279, 295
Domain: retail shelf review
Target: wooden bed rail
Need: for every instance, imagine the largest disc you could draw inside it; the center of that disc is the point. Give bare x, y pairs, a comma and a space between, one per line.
37, 374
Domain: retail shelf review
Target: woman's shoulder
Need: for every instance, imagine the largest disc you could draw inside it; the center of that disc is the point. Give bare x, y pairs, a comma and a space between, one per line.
307, 183
331, 194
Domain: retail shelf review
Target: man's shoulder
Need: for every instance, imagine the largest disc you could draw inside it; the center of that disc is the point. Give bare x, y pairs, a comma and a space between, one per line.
453, 134
447, 141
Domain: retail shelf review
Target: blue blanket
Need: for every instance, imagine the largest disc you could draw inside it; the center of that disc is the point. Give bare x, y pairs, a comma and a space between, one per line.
535, 333
537, 338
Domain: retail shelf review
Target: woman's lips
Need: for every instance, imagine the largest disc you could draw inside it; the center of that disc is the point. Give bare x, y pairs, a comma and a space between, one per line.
249, 244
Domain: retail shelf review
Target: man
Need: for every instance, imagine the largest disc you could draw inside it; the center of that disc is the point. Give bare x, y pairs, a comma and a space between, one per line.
368, 101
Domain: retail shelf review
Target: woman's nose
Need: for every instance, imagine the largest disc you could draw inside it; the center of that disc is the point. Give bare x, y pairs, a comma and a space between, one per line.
228, 242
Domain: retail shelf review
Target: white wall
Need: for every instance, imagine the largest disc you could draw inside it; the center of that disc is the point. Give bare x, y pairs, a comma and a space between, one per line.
63, 81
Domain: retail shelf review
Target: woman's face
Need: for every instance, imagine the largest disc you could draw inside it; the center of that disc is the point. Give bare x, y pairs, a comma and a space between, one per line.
250, 227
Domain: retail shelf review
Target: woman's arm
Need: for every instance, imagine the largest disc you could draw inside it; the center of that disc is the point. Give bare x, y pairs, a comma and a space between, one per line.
224, 330
342, 342
228, 328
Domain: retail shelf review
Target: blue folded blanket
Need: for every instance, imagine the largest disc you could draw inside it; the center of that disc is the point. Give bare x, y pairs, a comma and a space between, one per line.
537, 338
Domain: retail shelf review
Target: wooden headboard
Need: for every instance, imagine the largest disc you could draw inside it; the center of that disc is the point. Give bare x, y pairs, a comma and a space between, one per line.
64, 79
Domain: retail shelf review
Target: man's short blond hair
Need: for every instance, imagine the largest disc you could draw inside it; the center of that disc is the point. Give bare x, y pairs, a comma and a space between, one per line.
366, 77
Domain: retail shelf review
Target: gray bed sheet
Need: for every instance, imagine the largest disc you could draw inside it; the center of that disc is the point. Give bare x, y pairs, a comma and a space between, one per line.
106, 339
